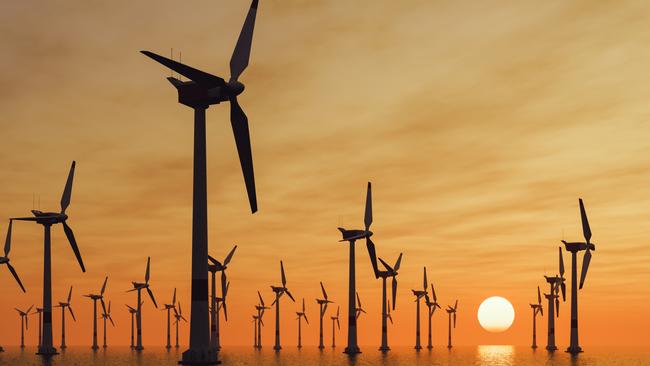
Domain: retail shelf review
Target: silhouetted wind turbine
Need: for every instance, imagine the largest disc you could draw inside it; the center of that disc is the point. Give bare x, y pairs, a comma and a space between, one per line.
260, 313
213, 268
5, 259
431, 305
39, 312
556, 282
63, 306
389, 272
255, 317
107, 315
537, 308
179, 316
132, 311
24, 324
279, 291
419, 294
359, 308
352, 236
335, 319
47, 219
220, 303
99, 297
138, 286
322, 303
199, 93
301, 314
169, 307
451, 311
574, 248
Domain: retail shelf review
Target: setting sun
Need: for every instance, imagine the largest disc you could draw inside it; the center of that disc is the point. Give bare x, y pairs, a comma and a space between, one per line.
496, 314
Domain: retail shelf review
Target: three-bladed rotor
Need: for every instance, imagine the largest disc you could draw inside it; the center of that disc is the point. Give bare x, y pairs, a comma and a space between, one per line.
140, 286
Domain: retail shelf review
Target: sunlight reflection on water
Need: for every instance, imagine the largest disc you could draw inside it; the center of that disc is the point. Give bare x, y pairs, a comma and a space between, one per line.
496, 355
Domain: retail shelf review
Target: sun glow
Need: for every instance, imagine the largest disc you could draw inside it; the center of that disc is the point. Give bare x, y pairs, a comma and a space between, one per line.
496, 314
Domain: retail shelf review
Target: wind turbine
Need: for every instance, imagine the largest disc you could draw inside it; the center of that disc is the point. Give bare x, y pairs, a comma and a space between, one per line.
451, 311
213, 268
431, 305
359, 308
352, 236
179, 316
5, 259
335, 319
255, 318
24, 324
389, 272
169, 307
301, 314
556, 282
574, 248
419, 294
279, 291
220, 303
537, 308
39, 312
107, 315
47, 219
99, 297
139, 286
322, 303
132, 311
199, 93
260, 313
63, 306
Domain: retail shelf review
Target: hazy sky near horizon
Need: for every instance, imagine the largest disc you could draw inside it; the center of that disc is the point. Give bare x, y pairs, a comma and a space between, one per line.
479, 125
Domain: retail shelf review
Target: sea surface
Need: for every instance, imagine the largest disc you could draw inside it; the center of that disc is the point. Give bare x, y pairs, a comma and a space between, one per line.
309, 355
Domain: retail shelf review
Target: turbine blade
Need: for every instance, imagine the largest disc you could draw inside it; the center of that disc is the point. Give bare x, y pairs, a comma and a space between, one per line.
242, 51
214, 261
563, 286
229, 256
386, 265
306, 320
241, 132
539, 296
324, 293
146, 274
152, 298
67, 191
585, 267
454, 319
586, 230
394, 291
338, 325
373, 256
367, 219
8, 240
101, 300
198, 76
261, 300
303, 305
71, 313
224, 285
284, 278
358, 300
557, 307
433, 292
398, 263
290, 296
225, 310
13, 272
73, 243
425, 279
561, 263
104, 286
174, 298
70, 295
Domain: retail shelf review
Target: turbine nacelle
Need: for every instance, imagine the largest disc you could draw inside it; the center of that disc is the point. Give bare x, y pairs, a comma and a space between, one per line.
352, 235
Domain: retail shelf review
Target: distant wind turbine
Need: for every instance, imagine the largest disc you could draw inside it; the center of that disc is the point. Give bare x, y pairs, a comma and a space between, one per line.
556, 282
95, 297
322, 303
301, 314
132, 311
261, 307
139, 286
419, 294
169, 308
179, 316
107, 315
63, 306
537, 308
432, 305
279, 291
451, 311
338, 324
24, 324
213, 268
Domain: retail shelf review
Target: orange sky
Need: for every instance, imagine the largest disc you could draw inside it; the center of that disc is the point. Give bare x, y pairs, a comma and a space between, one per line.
479, 126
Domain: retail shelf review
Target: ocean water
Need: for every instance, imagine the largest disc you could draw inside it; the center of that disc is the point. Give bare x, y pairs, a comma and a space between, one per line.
290, 356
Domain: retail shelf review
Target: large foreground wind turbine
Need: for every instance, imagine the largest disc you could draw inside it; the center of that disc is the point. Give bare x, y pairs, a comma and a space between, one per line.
213, 268
389, 272
139, 286
322, 303
169, 308
419, 294
63, 306
24, 324
451, 311
537, 308
95, 297
260, 323
574, 248
301, 314
5, 259
352, 236
107, 316
201, 91
431, 305
553, 309
47, 219
279, 291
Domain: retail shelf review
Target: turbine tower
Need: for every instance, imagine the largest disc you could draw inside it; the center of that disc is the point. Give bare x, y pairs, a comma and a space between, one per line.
199, 93
260, 313
556, 282
301, 314
322, 303
63, 306
47, 219
5, 259
24, 324
352, 236
213, 268
107, 315
419, 294
169, 308
279, 291
255, 319
132, 311
389, 272
99, 297
574, 248
338, 324
451, 311
537, 308
179, 316
139, 286
431, 305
